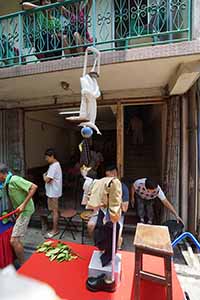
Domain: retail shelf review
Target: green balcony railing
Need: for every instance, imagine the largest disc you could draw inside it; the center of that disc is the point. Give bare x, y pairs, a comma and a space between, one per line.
67, 28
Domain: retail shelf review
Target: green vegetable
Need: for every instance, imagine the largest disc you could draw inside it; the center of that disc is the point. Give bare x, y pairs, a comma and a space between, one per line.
42, 249
61, 252
48, 243
52, 257
60, 255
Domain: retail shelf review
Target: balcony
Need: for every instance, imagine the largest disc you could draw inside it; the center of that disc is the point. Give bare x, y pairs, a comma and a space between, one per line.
66, 28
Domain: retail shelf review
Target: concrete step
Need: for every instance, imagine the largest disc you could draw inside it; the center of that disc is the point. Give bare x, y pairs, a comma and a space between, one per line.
140, 160
140, 170
139, 174
140, 163
128, 143
139, 152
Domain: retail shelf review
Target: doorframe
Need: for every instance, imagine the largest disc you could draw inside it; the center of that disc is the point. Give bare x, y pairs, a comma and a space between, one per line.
120, 129
120, 104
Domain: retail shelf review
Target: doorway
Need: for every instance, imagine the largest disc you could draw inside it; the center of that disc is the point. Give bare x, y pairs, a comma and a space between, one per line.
144, 147
143, 142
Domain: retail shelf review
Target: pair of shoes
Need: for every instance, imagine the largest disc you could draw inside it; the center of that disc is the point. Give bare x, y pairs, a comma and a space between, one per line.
150, 222
95, 284
17, 265
50, 235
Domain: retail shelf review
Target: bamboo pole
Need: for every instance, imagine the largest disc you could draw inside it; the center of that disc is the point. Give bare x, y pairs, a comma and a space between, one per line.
198, 134
193, 163
114, 250
120, 140
184, 160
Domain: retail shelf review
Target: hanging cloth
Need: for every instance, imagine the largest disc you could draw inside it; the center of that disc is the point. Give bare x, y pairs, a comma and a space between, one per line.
85, 155
6, 188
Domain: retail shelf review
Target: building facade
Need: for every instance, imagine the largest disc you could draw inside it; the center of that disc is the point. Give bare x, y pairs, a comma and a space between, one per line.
150, 51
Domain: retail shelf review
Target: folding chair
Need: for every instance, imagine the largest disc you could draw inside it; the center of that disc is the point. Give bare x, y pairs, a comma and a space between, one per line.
68, 215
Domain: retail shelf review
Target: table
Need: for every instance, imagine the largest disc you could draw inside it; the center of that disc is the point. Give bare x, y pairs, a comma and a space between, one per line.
6, 253
69, 278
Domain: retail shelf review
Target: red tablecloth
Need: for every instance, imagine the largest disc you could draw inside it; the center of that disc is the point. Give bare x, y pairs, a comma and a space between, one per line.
6, 253
68, 278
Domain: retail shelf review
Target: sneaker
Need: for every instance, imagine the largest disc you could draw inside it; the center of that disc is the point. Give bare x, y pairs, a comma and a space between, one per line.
96, 284
50, 235
150, 222
17, 265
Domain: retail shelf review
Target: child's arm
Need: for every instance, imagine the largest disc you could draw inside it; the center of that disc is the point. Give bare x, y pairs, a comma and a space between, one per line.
66, 12
28, 5
88, 5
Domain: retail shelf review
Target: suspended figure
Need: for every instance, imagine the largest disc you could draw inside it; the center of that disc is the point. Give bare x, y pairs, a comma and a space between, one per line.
89, 93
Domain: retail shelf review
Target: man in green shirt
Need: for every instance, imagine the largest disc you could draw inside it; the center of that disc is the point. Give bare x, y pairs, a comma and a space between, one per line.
20, 193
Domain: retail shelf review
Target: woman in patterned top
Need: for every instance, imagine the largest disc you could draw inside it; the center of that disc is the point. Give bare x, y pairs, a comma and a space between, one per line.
77, 30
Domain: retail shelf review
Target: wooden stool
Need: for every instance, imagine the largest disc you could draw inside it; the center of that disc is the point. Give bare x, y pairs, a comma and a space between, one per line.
152, 240
85, 216
67, 215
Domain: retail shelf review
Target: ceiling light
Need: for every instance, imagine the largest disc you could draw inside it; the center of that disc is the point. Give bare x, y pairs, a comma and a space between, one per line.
64, 85
69, 112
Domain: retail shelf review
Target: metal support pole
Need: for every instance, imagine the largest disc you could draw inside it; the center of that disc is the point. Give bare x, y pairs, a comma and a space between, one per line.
20, 37
114, 250
170, 19
94, 22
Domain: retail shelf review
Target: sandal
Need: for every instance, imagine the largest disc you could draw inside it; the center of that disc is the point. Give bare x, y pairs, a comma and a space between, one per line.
50, 235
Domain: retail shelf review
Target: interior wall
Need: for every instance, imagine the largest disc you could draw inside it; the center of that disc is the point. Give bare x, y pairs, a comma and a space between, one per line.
156, 115
164, 136
45, 130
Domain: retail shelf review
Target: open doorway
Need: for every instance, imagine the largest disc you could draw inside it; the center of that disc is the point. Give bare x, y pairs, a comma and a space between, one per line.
48, 129
144, 146
143, 142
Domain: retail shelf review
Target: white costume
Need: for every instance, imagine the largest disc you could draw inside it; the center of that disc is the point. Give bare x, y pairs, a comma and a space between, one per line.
90, 91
